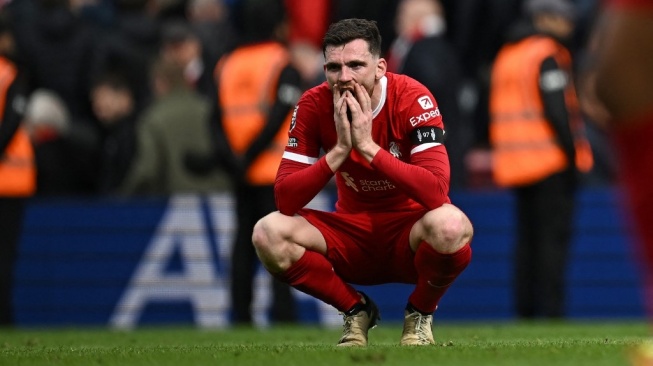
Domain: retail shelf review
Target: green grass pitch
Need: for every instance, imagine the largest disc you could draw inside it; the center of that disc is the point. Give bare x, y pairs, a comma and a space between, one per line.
593, 343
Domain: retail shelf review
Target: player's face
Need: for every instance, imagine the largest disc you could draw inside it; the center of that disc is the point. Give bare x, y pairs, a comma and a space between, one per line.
352, 63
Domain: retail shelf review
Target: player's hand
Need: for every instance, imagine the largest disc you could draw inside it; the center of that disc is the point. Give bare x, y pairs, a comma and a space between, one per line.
360, 105
342, 123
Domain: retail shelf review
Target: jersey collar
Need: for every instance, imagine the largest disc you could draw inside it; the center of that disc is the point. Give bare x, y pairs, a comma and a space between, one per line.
384, 93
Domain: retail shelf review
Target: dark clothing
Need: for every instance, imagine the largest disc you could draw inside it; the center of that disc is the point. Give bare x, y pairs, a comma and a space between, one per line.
130, 49
117, 152
217, 39
254, 202
58, 48
11, 222
555, 110
545, 213
65, 167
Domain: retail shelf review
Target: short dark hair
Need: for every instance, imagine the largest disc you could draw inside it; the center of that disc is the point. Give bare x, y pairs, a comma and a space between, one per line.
347, 30
113, 79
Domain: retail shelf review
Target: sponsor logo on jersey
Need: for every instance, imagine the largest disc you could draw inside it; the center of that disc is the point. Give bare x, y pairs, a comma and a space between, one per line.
376, 185
425, 102
349, 181
293, 121
292, 142
415, 120
394, 150
367, 185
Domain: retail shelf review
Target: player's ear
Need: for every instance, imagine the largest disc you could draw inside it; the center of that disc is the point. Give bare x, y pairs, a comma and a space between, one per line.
381, 67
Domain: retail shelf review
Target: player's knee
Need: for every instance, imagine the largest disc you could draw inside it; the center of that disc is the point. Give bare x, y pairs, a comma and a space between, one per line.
261, 235
449, 228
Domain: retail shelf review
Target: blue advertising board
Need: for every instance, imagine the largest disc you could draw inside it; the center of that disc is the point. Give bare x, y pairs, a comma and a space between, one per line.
127, 263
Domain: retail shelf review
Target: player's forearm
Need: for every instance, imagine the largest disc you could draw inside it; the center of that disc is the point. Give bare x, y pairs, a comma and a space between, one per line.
427, 185
296, 184
336, 156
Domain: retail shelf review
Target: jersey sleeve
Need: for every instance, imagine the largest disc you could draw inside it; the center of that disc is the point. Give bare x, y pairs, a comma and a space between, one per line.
425, 178
302, 173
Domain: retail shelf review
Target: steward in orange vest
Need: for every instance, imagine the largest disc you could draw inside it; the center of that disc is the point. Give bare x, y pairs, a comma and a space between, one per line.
257, 90
256, 107
538, 146
17, 165
531, 141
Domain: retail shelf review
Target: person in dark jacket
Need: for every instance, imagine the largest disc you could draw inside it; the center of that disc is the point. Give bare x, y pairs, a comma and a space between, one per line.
132, 45
114, 107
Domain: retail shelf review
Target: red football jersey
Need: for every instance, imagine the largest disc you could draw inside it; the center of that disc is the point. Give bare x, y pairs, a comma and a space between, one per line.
407, 122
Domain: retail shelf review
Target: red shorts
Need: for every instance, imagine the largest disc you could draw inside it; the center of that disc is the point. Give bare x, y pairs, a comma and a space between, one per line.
368, 248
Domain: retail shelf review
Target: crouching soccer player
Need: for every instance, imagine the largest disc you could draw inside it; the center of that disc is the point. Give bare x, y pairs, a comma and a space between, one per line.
393, 222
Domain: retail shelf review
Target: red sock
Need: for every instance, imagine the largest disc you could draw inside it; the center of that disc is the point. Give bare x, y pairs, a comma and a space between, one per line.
436, 272
634, 148
313, 274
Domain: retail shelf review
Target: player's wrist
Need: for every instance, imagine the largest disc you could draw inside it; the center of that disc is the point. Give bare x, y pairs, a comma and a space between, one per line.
336, 156
368, 150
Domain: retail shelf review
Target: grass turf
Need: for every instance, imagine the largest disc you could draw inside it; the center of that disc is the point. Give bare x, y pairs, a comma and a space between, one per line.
523, 343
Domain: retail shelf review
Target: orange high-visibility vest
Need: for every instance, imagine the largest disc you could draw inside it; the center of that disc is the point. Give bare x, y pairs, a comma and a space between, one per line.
17, 166
525, 148
248, 80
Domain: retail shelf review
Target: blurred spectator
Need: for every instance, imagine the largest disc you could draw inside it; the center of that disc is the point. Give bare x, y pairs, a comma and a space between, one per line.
381, 11
172, 126
131, 46
539, 145
430, 59
17, 167
114, 108
604, 171
309, 62
477, 29
211, 22
47, 121
308, 21
46, 116
56, 45
170, 9
256, 100
414, 20
97, 12
63, 148
180, 45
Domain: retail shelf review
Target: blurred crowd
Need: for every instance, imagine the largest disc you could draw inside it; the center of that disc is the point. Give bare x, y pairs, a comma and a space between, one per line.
103, 72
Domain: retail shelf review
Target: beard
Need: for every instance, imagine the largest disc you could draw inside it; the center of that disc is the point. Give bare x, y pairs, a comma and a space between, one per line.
350, 88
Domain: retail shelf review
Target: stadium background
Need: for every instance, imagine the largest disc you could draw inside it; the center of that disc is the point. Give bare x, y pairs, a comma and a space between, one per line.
129, 263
